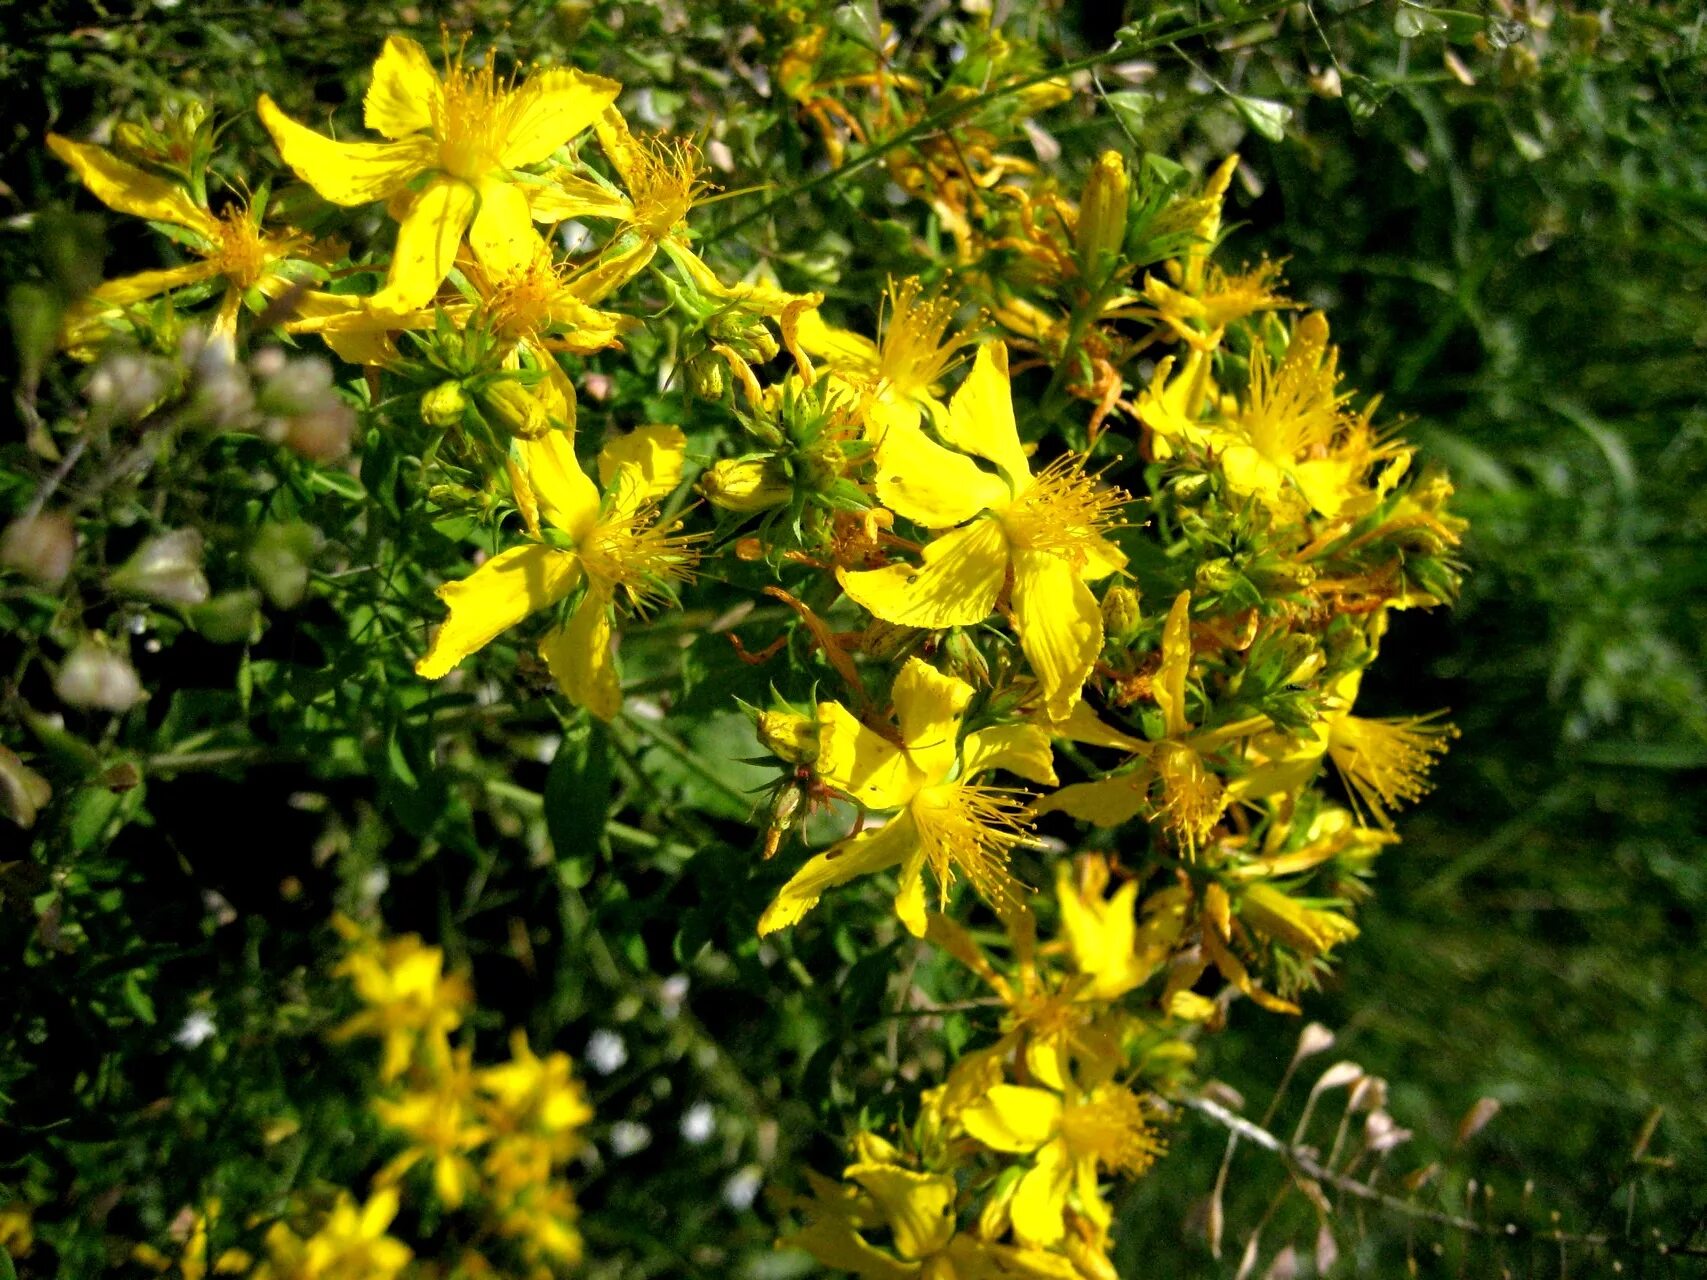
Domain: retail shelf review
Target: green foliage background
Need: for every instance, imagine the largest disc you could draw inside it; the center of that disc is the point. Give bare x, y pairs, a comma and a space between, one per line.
1518, 262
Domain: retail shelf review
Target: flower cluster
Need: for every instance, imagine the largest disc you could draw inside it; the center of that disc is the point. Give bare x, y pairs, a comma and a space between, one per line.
1013, 626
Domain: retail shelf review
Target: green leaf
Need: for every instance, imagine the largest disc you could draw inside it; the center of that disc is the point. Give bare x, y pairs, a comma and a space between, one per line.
1412, 21
1130, 107
1266, 116
578, 794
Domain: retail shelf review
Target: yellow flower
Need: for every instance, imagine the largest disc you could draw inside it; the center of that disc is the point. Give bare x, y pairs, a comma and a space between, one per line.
350, 1245
1101, 933
900, 377
1276, 914
17, 1229
409, 998
616, 545
543, 1220
440, 1122
1071, 1135
532, 307
1191, 797
1046, 530
945, 820
912, 1211
1383, 762
232, 245
535, 1095
466, 132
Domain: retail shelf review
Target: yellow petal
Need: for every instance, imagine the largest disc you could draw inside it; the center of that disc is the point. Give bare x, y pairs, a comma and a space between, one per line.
580, 659
930, 485
864, 854
426, 245
550, 108
853, 759
910, 893
1169, 684
956, 586
563, 195
564, 493
148, 284
404, 92
1018, 748
843, 350
928, 705
130, 190
1042, 1197
502, 234
496, 596
1107, 802
655, 455
1083, 725
345, 172
981, 416
919, 1207
1014, 1118
1059, 625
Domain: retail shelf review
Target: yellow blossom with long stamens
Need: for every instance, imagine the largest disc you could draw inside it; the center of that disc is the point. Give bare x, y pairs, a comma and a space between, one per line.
1072, 1134
1047, 530
945, 820
466, 132
899, 375
617, 546
232, 246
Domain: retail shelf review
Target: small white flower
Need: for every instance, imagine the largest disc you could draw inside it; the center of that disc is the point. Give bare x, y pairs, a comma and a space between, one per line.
699, 1122
198, 1027
743, 1187
606, 1051
629, 1136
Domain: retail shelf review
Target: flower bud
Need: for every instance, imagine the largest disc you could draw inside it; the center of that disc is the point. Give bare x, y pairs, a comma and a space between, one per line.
322, 436
126, 385
516, 409
789, 736
41, 546
96, 678
705, 376
23, 791
166, 568
1102, 214
228, 618
301, 385
444, 405
1120, 616
746, 484
279, 559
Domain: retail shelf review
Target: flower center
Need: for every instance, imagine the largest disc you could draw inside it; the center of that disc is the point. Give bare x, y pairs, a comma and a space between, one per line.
629, 549
1192, 796
1110, 1125
471, 119
1064, 511
663, 184
522, 304
916, 351
1386, 762
1293, 412
239, 249
971, 829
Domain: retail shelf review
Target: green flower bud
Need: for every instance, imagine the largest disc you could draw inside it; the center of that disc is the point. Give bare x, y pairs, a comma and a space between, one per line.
705, 376
1120, 616
1102, 213
516, 409
444, 405
746, 484
166, 568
